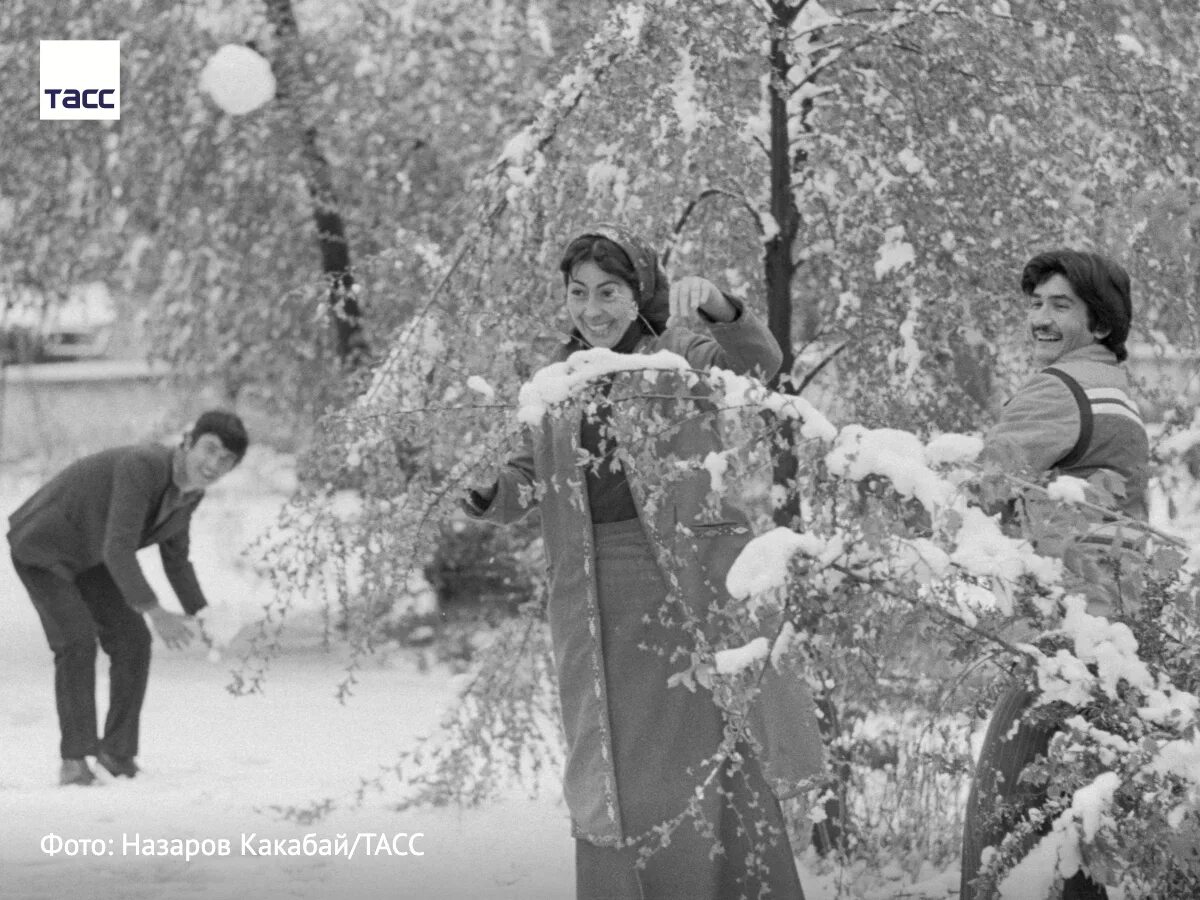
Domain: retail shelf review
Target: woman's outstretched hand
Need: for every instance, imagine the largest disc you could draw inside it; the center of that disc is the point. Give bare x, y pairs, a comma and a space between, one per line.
693, 294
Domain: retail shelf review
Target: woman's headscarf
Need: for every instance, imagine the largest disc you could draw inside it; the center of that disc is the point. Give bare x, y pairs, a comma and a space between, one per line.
653, 288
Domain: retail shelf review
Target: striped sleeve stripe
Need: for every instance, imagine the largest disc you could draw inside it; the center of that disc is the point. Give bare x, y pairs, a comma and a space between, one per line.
1111, 395
1113, 408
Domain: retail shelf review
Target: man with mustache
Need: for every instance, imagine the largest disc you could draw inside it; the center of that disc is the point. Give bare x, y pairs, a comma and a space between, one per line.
74, 545
1075, 417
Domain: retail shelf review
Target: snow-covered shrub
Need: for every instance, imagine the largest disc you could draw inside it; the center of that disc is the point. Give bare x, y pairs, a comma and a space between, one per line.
897, 592
898, 562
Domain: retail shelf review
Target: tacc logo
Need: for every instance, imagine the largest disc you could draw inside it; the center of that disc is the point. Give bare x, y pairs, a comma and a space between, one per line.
81, 80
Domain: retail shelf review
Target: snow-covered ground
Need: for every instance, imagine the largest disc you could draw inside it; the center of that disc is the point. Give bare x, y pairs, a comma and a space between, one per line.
215, 765
218, 768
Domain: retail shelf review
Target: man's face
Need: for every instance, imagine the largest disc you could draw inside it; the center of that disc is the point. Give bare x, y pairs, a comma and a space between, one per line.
205, 460
1058, 321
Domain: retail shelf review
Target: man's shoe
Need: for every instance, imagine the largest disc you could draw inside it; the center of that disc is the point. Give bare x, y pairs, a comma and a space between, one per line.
76, 771
117, 765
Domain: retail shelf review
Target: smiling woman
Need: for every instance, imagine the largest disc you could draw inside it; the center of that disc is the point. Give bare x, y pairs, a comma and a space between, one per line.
603, 286
665, 800
601, 305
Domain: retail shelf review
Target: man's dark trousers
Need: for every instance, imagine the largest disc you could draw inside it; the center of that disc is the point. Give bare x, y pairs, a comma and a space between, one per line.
74, 615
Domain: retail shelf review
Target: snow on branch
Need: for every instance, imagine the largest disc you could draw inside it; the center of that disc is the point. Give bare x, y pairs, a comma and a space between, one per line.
521, 159
1058, 855
559, 382
731, 661
899, 456
762, 567
984, 550
830, 53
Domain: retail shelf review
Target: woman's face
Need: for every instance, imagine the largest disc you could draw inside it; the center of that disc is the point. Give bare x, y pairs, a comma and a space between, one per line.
601, 305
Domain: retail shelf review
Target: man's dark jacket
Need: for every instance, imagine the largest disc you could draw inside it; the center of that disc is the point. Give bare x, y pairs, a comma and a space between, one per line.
101, 510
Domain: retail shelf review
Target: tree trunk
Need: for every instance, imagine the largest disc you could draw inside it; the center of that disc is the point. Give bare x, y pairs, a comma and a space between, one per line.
777, 255
294, 85
778, 263
781, 269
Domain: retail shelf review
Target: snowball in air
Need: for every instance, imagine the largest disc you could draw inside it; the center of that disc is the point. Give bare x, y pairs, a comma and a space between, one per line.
238, 79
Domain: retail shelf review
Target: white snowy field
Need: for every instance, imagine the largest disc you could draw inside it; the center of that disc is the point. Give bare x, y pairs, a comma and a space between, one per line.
214, 764
217, 768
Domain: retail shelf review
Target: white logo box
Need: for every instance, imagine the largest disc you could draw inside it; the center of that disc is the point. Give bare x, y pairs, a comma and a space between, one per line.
80, 80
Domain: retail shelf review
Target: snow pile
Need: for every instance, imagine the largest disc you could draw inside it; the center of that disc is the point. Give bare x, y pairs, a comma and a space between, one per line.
729, 662
1110, 645
783, 643
1068, 489
559, 381
742, 390
970, 599
1062, 677
860, 452
1111, 649
1058, 853
983, 550
1180, 758
735, 659
921, 559
953, 449
238, 79
762, 566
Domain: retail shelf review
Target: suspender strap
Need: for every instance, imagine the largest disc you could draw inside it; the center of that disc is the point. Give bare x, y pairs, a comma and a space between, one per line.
1085, 419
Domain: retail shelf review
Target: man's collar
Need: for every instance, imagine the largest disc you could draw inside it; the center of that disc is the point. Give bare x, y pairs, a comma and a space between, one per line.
1091, 353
